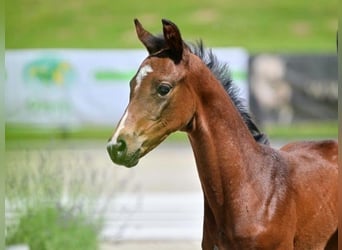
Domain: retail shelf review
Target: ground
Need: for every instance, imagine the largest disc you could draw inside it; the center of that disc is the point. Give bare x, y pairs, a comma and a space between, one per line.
155, 205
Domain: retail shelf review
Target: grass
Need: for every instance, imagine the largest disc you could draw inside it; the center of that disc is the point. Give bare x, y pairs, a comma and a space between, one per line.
303, 130
19, 136
259, 26
51, 228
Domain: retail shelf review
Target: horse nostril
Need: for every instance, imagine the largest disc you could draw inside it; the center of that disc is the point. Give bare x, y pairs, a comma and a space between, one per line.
120, 146
117, 150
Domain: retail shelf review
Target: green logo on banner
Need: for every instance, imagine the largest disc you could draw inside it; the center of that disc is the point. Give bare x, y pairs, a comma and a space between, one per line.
114, 75
49, 71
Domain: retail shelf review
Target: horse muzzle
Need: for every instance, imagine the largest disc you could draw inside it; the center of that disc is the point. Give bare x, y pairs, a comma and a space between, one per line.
119, 153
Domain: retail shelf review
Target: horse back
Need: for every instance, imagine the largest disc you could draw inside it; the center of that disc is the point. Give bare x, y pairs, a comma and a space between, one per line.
326, 149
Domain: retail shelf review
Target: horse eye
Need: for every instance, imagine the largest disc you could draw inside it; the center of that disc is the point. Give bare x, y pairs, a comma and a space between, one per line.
164, 89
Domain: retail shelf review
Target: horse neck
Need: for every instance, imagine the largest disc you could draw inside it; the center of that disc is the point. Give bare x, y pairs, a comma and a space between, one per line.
222, 144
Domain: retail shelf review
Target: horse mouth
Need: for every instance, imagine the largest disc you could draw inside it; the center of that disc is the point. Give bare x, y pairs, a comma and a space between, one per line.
129, 162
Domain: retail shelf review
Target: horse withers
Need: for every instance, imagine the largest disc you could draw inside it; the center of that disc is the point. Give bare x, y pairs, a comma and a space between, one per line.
255, 197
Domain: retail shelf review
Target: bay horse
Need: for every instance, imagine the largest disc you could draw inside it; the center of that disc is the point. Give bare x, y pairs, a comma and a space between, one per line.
255, 197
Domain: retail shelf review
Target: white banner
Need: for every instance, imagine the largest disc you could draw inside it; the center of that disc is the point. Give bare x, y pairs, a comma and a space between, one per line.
62, 87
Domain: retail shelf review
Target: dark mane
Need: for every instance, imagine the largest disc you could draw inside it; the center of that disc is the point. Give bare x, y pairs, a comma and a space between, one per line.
222, 73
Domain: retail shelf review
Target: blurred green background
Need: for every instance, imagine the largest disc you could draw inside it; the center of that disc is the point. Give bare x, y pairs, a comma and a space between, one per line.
306, 26
258, 26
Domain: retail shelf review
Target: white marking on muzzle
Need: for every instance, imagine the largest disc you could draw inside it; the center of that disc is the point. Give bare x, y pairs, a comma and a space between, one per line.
143, 72
120, 127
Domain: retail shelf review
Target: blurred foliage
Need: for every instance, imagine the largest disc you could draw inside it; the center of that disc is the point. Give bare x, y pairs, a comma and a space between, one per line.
57, 198
51, 228
259, 26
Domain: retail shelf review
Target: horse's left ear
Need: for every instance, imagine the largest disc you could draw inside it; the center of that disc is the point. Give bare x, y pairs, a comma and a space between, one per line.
152, 43
173, 40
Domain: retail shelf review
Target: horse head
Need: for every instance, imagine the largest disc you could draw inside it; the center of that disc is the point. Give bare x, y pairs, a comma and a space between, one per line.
160, 99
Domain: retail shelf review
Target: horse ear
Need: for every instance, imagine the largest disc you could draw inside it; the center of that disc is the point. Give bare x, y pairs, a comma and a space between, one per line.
173, 40
151, 43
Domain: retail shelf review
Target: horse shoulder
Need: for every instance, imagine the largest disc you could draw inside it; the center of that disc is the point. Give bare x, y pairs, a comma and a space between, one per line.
314, 180
267, 221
